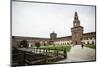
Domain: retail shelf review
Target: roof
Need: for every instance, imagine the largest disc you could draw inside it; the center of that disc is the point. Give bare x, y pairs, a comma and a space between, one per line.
59, 38
24, 37
90, 33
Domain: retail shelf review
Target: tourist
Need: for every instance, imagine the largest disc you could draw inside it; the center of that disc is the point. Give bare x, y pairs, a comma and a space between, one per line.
82, 45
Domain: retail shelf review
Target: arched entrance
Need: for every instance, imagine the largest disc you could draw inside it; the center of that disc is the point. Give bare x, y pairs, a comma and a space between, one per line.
75, 42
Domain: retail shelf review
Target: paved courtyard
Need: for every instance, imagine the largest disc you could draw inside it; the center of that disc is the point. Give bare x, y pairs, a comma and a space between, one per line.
77, 53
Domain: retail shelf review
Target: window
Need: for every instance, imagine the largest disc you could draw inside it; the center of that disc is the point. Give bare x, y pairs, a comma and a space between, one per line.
81, 38
90, 38
87, 42
92, 42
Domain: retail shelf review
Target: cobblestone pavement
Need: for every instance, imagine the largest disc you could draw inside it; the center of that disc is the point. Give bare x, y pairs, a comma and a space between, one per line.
77, 53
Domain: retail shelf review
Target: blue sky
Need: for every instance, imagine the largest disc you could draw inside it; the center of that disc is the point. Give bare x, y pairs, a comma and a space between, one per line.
40, 19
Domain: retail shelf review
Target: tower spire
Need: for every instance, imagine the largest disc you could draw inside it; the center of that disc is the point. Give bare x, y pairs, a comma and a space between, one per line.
75, 13
76, 16
76, 21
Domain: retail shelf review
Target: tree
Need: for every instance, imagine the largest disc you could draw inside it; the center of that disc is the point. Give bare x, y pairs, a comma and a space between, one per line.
24, 44
37, 44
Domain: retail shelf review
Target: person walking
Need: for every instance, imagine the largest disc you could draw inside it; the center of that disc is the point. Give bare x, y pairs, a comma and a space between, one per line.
82, 44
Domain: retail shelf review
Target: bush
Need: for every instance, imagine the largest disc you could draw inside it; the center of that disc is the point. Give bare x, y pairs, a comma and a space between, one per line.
65, 53
37, 44
24, 44
91, 46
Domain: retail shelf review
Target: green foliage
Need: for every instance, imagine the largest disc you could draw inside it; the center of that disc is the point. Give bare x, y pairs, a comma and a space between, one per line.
59, 47
24, 44
65, 52
37, 44
91, 46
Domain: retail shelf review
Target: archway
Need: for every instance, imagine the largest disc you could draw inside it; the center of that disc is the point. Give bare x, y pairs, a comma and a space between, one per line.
75, 42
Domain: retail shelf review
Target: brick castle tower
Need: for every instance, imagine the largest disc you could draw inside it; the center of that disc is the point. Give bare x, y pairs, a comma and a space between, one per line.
77, 31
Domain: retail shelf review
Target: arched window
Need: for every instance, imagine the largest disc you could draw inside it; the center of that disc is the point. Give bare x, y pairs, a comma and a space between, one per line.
87, 38
81, 38
88, 42
90, 38
76, 42
67, 43
92, 42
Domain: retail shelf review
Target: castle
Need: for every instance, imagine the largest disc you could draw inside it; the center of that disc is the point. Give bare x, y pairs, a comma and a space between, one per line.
77, 38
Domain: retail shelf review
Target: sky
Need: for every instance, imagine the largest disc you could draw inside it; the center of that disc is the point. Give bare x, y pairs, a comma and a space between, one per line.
41, 19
